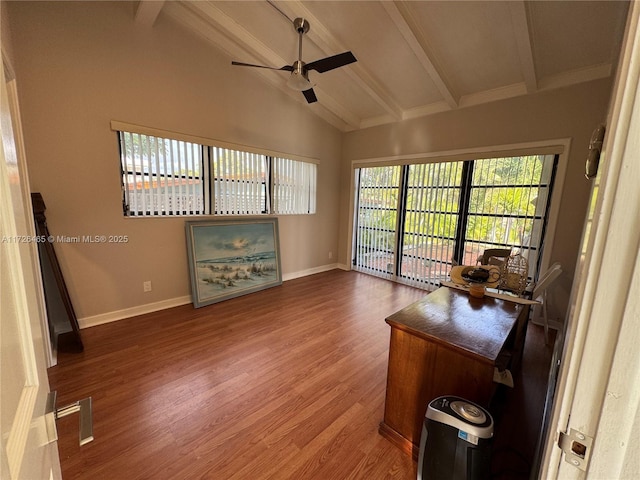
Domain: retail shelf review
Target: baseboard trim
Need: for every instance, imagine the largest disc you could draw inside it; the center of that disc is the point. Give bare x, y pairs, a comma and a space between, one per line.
109, 317
553, 324
310, 271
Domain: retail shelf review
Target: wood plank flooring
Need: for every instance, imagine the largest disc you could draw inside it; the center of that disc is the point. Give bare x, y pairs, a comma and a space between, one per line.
286, 383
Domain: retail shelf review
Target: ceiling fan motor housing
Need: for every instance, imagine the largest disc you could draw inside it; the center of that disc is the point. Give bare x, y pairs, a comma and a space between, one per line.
298, 68
301, 25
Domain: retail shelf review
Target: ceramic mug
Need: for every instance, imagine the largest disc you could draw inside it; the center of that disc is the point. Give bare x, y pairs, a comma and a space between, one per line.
476, 290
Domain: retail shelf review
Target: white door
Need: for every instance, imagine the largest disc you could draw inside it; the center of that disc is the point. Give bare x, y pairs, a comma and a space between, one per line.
599, 388
29, 440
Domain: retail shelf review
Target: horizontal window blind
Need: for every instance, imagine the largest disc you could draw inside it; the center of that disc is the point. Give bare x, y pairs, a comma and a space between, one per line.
294, 186
161, 176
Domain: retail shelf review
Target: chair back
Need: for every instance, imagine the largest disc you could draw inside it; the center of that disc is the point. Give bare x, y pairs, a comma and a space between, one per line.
514, 274
494, 256
552, 273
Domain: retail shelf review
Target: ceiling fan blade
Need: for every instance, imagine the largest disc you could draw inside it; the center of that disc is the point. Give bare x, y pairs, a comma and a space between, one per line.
310, 95
288, 68
329, 63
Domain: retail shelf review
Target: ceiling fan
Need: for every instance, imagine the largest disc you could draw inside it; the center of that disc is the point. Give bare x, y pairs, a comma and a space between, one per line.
299, 78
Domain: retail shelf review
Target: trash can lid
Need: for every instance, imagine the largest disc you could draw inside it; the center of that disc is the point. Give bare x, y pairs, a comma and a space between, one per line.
469, 412
462, 414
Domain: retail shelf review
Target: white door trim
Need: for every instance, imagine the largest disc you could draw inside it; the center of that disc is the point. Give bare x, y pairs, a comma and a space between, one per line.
599, 384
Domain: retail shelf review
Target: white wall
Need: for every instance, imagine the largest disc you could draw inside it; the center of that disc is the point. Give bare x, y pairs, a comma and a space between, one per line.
80, 65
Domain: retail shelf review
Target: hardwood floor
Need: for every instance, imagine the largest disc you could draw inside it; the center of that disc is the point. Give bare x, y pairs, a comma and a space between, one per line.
286, 383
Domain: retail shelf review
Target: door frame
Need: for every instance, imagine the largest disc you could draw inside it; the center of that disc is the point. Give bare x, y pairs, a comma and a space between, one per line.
29, 434
598, 389
14, 109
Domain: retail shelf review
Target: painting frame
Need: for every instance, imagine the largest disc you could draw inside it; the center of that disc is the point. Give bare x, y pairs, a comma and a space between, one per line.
229, 258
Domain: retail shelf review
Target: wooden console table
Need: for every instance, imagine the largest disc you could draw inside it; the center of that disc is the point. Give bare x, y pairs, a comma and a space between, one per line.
446, 344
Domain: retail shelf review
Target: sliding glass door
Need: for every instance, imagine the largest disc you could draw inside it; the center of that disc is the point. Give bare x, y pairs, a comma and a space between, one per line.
413, 222
508, 207
377, 219
431, 213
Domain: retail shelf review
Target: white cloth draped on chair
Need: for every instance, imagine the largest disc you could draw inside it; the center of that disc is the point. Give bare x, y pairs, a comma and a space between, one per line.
540, 294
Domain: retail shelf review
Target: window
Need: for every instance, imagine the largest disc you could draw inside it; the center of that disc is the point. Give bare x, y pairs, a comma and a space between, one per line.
378, 190
163, 176
240, 182
431, 220
449, 212
294, 186
508, 204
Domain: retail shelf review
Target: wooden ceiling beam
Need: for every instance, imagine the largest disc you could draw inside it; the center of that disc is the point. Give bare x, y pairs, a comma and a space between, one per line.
147, 12
238, 42
524, 41
327, 43
403, 19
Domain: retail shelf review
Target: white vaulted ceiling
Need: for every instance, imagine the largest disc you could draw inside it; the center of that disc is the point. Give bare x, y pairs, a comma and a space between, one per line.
415, 58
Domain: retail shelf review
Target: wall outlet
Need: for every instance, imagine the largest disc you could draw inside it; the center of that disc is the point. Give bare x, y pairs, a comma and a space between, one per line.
146, 286
330, 255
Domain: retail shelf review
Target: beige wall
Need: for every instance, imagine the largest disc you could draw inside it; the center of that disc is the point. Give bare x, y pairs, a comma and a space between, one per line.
5, 29
80, 65
571, 112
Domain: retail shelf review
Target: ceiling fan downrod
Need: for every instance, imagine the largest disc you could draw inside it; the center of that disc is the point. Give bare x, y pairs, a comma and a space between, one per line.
302, 27
299, 79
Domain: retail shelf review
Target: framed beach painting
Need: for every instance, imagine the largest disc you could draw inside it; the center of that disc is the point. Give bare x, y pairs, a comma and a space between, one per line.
229, 258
